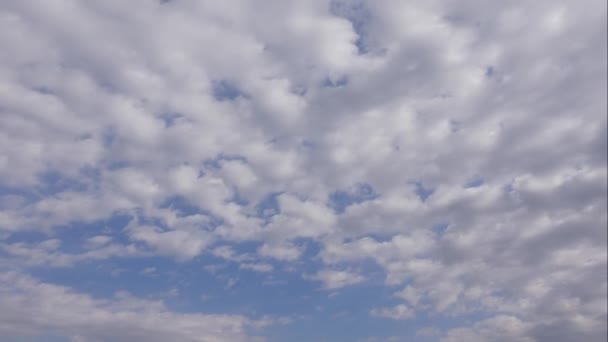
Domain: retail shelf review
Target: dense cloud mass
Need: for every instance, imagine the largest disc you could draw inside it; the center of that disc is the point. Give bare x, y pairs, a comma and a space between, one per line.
447, 158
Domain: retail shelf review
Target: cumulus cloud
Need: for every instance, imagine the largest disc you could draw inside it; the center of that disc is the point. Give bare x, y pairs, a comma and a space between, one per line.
460, 147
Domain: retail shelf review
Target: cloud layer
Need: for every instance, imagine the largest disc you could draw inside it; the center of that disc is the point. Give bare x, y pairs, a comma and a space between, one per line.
449, 157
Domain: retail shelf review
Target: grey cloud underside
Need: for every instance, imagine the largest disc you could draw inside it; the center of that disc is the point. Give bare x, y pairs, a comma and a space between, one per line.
255, 116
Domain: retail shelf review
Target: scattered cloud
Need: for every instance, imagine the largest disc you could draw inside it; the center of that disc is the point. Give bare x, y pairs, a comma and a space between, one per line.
451, 156
398, 312
40, 309
332, 279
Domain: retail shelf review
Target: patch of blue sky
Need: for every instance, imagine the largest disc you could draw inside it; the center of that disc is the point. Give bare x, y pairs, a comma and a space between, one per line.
455, 126
357, 324
43, 90
147, 277
490, 71
310, 248
84, 136
91, 174
182, 206
25, 236
359, 16
278, 293
216, 162
508, 188
224, 90
17, 196
186, 287
378, 237
197, 290
335, 82
307, 144
440, 228
102, 279
111, 141
244, 247
170, 118
341, 199
422, 191
474, 182
238, 199
344, 316
299, 90
268, 206
74, 237
52, 182
116, 164
109, 136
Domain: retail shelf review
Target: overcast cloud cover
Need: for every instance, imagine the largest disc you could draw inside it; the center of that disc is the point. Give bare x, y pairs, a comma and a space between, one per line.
308, 170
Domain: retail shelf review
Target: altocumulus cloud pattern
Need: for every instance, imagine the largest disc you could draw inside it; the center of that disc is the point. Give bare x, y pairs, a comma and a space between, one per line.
365, 170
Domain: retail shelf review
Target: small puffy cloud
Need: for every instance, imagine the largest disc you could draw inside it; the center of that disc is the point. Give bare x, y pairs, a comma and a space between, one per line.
98, 241
282, 251
257, 267
183, 245
410, 295
228, 253
398, 312
333, 279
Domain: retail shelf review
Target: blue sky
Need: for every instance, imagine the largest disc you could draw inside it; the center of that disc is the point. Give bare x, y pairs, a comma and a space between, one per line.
318, 170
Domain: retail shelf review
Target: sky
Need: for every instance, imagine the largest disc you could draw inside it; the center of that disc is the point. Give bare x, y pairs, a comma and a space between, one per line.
303, 170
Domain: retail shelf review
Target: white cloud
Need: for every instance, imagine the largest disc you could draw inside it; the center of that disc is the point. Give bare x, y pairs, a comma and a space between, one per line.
98, 241
410, 295
183, 245
33, 308
398, 312
499, 328
258, 267
282, 251
48, 253
333, 279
